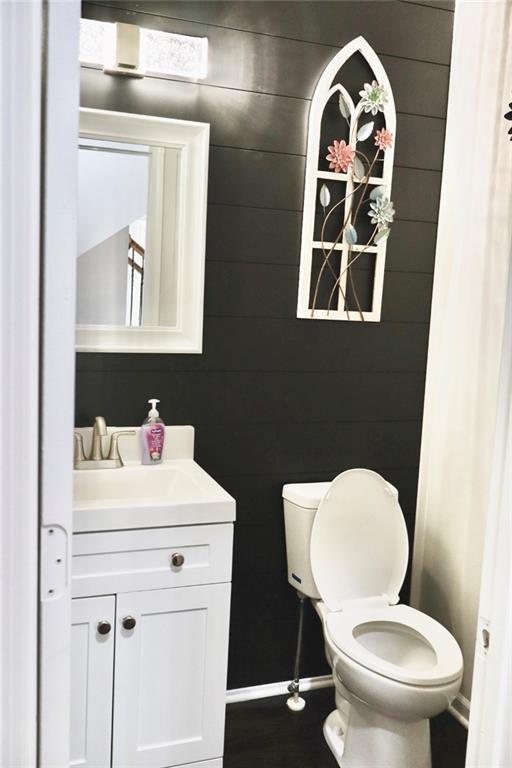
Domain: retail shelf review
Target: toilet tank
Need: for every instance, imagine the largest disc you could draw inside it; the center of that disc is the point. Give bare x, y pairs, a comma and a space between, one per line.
300, 501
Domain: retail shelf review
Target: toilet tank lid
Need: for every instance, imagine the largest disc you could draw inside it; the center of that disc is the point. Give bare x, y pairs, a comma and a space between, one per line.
307, 495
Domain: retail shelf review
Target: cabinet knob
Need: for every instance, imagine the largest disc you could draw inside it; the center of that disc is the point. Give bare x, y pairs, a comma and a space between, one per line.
128, 622
103, 627
177, 560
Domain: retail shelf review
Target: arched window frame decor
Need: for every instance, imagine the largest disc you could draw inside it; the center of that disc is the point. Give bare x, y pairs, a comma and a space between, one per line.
323, 92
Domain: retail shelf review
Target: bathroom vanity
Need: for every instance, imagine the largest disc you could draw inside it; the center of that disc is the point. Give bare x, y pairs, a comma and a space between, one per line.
151, 572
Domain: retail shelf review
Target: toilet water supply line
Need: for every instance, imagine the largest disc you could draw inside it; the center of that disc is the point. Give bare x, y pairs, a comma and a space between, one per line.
295, 702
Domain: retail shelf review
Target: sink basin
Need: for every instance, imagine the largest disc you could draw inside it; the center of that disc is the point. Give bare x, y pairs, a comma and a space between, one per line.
176, 492
151, 483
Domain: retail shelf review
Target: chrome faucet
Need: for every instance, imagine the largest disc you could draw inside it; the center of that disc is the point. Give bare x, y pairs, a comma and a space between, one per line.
97, 458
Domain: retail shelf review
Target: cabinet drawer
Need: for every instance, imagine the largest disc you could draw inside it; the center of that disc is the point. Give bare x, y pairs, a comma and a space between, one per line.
127, 561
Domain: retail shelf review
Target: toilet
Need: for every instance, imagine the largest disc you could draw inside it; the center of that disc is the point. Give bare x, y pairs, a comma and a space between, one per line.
393, 667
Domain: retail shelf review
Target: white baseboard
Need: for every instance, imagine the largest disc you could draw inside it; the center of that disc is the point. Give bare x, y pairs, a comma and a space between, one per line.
276, 689
459, 708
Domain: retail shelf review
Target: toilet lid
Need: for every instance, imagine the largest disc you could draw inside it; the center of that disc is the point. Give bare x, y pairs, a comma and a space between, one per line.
359, 542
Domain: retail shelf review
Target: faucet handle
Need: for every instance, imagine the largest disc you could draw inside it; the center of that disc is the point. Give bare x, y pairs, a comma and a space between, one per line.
79, 449
113, 453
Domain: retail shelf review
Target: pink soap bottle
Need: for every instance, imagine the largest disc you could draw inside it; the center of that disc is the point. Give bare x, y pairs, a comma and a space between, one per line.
153, 435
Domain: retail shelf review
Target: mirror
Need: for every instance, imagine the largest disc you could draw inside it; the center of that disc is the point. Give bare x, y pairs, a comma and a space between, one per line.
141, 233
123, 192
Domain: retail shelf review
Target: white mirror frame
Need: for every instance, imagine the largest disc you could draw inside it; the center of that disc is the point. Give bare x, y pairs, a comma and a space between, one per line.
192, 139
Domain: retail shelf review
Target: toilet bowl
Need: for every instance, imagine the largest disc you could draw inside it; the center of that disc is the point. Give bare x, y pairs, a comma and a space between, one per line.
393, 666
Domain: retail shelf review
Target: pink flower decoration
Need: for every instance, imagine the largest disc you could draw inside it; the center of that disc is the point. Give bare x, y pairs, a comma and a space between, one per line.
340, 156
383, 139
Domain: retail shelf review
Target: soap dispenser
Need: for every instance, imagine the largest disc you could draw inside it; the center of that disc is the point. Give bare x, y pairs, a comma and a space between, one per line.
153, 435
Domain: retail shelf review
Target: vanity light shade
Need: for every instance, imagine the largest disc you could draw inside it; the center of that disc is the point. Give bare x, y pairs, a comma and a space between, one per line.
97, 42
126, 49
169, 54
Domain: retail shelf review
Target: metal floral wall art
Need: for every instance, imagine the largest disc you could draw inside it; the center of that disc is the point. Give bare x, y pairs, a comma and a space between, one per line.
347, 158
348, 209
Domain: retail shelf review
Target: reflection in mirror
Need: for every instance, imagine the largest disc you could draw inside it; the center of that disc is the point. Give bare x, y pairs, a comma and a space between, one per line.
127, 234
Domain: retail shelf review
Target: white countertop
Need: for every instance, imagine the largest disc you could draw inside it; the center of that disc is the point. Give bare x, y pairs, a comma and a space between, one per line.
176, 492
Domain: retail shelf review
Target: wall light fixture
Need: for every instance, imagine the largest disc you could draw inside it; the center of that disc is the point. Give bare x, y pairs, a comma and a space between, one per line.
126, 49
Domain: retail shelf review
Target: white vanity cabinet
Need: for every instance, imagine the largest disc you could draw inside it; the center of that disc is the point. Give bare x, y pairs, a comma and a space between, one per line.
151, 691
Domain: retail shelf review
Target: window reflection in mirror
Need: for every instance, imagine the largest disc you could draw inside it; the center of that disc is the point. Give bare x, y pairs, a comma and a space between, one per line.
127, 234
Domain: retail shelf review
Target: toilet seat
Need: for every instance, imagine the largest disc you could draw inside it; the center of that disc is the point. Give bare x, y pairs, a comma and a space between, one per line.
425, 652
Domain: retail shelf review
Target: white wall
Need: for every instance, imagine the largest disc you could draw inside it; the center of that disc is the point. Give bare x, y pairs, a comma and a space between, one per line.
112, 193
101, 282
466, 329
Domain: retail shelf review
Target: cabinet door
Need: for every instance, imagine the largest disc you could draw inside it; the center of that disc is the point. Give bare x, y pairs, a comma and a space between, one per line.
92, 668
170, 676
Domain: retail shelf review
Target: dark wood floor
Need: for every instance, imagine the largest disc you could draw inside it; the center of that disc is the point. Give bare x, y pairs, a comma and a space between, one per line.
265, 734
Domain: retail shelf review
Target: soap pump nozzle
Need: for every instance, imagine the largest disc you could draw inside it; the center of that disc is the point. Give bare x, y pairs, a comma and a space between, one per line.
153, 410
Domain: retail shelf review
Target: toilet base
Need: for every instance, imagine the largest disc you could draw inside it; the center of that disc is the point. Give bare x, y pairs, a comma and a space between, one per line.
334, 734
373, 740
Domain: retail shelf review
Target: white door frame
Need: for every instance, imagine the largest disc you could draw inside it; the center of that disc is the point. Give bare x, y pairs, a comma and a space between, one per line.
59, 239
38, 151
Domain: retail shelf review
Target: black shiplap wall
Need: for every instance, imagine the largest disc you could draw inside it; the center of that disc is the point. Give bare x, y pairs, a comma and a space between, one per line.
275, 399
